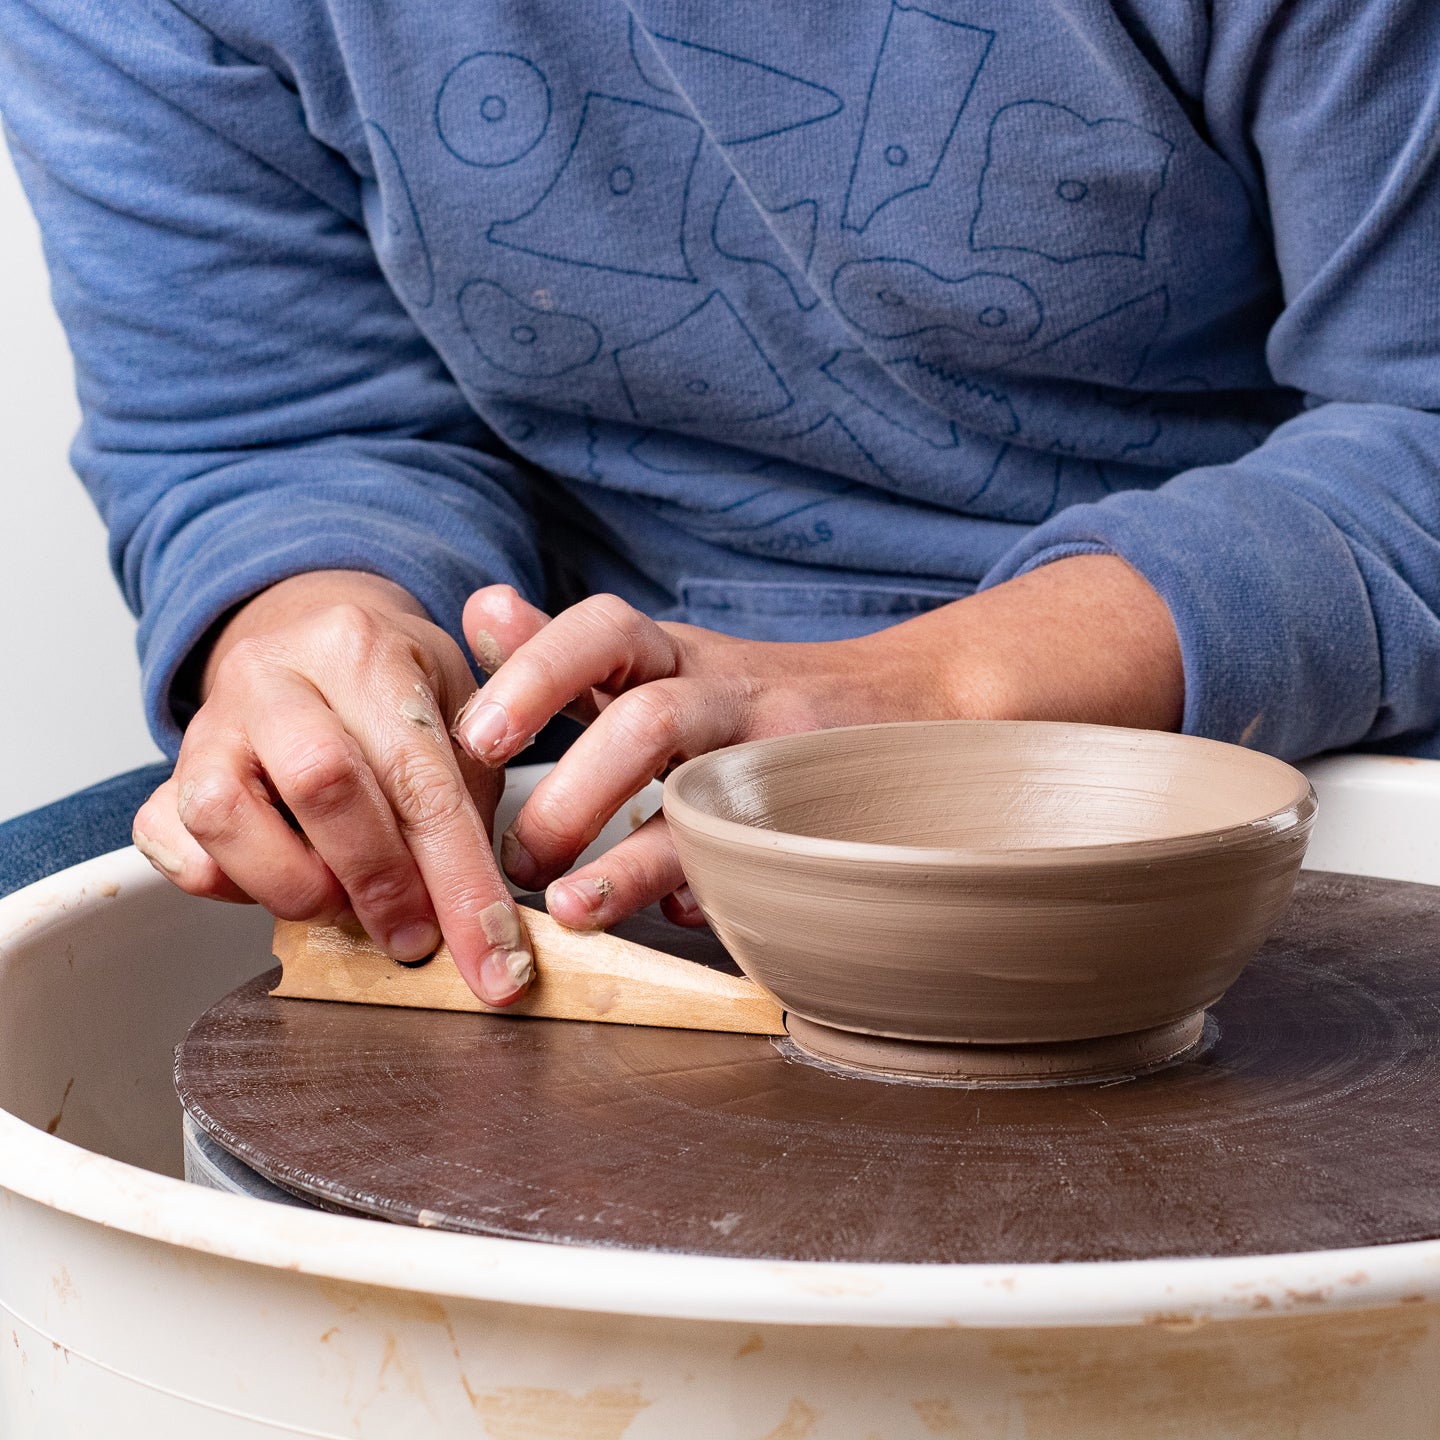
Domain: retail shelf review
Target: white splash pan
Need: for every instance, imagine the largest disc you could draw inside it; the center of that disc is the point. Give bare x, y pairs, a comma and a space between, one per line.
133, 1304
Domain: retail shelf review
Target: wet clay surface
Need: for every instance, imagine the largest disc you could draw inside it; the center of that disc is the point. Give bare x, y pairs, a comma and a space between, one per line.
1309, 1124
990, 882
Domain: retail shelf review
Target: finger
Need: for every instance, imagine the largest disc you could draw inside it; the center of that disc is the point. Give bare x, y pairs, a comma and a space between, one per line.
321, 772
176, 854
633, 874
401, 731
631, 743
497, 621
222, 802
601, 643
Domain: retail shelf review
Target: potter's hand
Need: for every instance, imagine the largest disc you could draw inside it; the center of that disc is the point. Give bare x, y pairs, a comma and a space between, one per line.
1084, 638
328, 698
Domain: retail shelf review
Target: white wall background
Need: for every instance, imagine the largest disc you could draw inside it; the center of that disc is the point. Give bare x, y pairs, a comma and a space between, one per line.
69, 682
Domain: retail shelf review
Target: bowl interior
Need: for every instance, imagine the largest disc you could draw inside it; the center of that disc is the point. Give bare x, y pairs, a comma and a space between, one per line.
989, 786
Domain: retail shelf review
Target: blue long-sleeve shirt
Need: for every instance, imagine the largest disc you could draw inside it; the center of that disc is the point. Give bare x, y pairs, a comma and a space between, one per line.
790, 319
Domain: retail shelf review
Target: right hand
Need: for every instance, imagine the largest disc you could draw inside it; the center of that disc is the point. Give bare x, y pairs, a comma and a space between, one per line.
332, 695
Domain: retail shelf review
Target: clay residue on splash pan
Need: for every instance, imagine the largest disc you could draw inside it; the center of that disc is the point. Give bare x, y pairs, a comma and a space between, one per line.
991, 883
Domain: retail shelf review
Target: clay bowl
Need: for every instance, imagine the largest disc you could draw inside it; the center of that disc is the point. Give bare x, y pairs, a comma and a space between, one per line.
1060, 900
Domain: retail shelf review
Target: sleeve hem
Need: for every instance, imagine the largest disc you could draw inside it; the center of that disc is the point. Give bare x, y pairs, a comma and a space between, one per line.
1275, 624
176, 622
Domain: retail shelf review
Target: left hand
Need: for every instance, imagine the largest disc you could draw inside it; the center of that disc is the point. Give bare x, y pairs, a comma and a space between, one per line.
1085, 638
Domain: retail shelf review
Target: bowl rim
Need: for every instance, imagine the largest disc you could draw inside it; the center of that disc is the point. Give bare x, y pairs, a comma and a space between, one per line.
1296, 814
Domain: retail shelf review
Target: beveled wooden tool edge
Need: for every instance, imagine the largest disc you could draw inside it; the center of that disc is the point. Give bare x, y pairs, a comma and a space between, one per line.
578, 976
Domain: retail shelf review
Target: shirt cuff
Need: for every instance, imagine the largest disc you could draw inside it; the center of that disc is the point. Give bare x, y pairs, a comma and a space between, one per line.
213, 565
1274, 619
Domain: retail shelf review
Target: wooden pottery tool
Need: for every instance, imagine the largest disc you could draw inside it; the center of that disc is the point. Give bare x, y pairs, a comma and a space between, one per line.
578, 976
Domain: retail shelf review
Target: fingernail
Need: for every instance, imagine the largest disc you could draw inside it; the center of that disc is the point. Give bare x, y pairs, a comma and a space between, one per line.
483, 728
508, 968
517, 862
586, 896
488, 653
346, 919
504, 974
413, 942
680, 904
501, 926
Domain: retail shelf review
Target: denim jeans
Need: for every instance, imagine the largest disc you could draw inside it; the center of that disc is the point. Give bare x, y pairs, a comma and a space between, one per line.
87, 823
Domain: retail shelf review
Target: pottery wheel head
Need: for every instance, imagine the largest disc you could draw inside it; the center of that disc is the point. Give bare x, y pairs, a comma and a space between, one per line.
1304, 1125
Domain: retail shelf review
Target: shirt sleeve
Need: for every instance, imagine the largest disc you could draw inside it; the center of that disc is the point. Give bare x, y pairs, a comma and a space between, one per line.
1304, 579
257, 403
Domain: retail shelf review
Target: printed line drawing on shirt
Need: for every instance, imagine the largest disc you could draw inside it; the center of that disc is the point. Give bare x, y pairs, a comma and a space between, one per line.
842, 452
924, 73
667, 454
1033, 484
741, 232
706, 368
771, 534
647, 63
759, 509
619, 200
861, 378
401, 245
1058, 185
1108, 423
891, 299
522, 339
741, 99
755, 510
977, 405
492, 109
1111, 348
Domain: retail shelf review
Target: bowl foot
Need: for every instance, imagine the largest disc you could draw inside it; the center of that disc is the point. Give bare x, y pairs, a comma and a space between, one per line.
1062, 1062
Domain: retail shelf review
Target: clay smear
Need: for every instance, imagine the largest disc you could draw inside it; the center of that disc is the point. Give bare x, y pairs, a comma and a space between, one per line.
502, 929
419, 710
